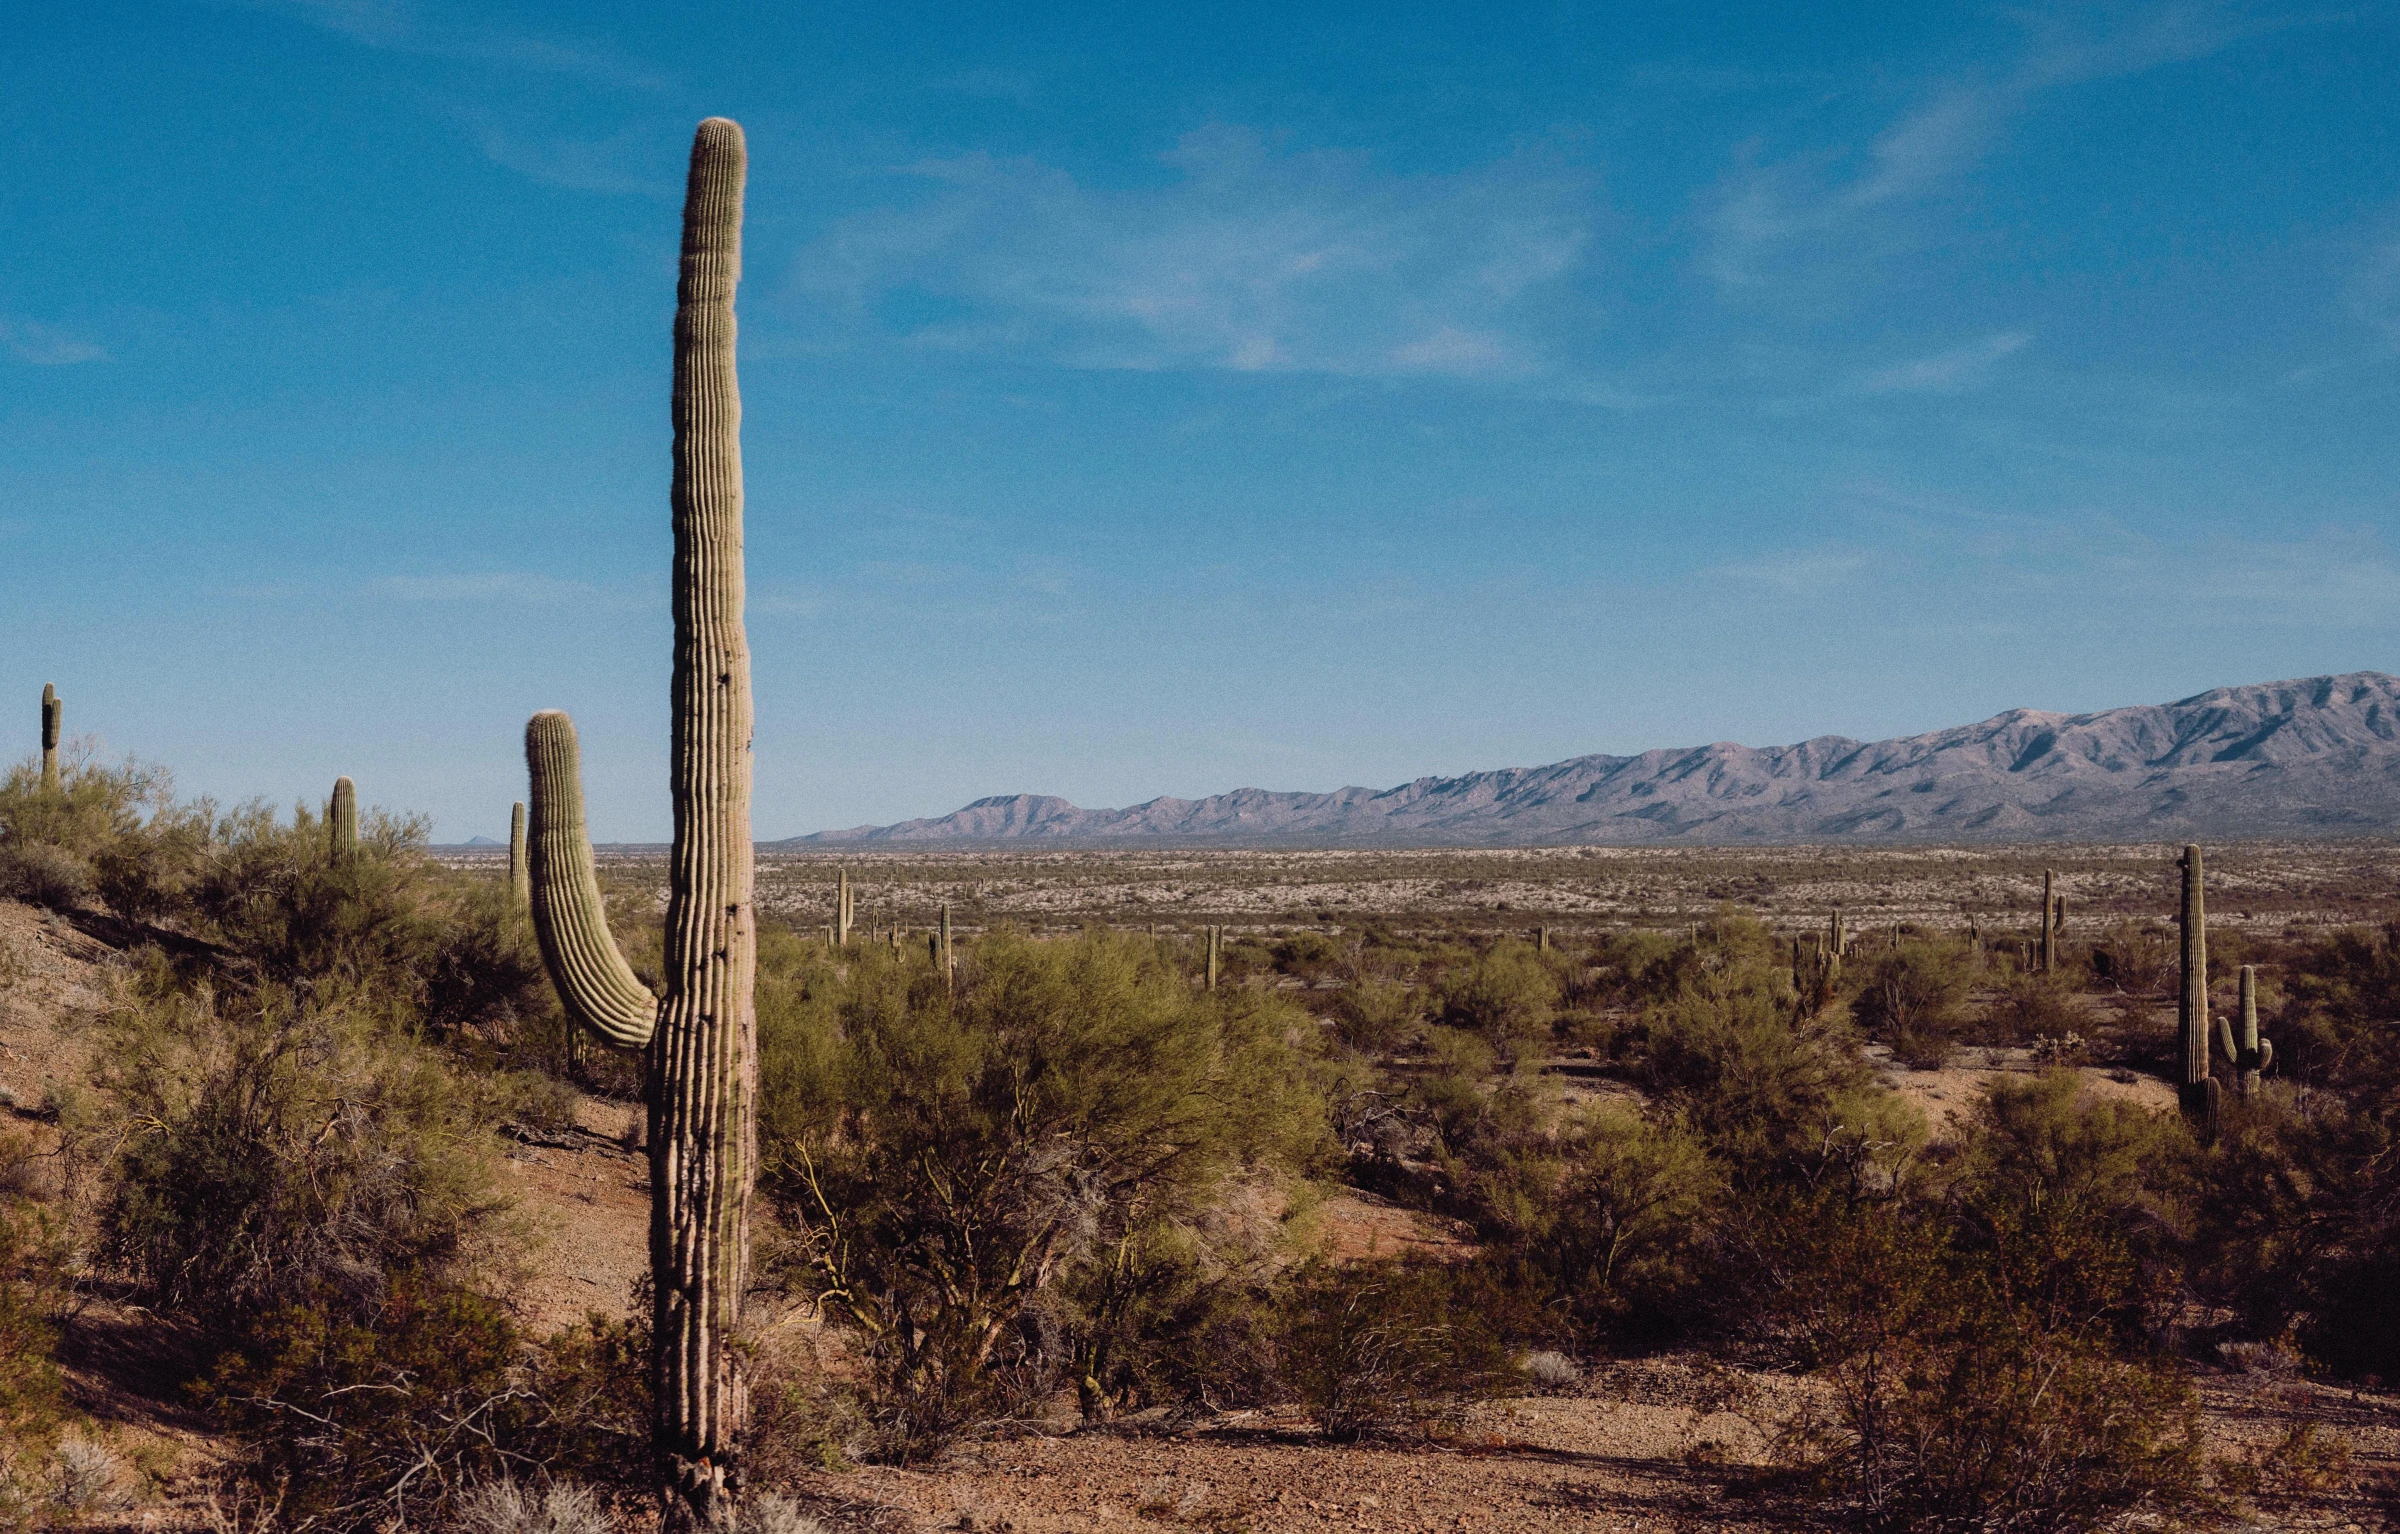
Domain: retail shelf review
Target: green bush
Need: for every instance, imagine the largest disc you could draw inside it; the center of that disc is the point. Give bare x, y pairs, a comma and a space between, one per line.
1377, 1016
272, 1153
1762, 1088
1912, 999
951, 1160
1509, 995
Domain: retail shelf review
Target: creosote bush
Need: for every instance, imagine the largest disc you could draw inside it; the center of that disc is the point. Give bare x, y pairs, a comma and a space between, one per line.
988, 1181
1913, 999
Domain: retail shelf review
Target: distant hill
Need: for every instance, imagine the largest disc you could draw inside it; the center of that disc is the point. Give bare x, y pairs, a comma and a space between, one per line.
2315, 757
481, 841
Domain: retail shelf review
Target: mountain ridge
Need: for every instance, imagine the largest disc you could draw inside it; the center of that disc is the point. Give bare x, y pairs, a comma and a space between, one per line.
2313, 756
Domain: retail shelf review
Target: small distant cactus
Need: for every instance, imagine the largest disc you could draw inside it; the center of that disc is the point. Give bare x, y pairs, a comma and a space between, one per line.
2197, 1093
520, 877
341, 820
2250, 1055
53, 714
1216, 944
944, 956
1541, 939
2049, 926
844, 910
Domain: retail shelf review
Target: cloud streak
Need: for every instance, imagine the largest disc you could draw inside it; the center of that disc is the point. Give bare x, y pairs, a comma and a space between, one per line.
1768, 208
1945, 372
1249, 259
404, 26
46, 345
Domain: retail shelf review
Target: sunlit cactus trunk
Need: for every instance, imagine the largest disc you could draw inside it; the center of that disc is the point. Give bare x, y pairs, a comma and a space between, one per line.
2254, 1055
520, 878
341, 820
843, 909
702, 1037
2198, 1092
53, 717
1216, 945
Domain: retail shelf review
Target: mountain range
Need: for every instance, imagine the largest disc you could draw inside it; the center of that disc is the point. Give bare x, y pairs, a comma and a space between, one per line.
2315, 757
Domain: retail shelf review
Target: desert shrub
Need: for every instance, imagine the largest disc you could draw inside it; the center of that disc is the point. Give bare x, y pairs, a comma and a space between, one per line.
1912, 998
1378, 1016
32, 1397
1370, 1347
273, 1153
1984, 1340
290, 914
2031, 1006
51, 839
363, 1415
1630, 1244
504, 1507
481, 969
1761, 1088
40, 874
2138, 957
1309, 956
1508, 995
951, 1159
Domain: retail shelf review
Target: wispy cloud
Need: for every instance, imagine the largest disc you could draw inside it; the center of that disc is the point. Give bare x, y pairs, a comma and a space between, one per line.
496, 587
1250, 259
46, 345
1802, 573
409, 26
613, 165
1769, 205
1945, 372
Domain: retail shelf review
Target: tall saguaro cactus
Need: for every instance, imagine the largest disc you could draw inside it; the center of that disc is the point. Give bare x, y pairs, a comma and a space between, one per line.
2198, 1094
944, 955
702, 1035
1216, 948
53, 715
843, 910
520, 878
341, 820
2049, 925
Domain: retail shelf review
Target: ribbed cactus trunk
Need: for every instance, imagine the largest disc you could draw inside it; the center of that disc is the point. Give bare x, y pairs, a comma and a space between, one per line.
53, 716
944, 955
702, 1036
2049, 930
2254, 1055
341, 820
703, 1113
520, 877
2198, 1092
842, 910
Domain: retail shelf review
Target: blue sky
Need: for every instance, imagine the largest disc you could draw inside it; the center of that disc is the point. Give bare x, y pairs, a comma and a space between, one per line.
1150, 400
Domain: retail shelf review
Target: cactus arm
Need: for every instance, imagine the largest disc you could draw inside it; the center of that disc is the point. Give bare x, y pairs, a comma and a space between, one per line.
598, 988
2266, 1056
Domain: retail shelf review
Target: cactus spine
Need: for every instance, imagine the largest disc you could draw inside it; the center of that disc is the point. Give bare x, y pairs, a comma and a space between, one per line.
520, 879
702, 1035
53, 715
2198, 1094
341, 820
